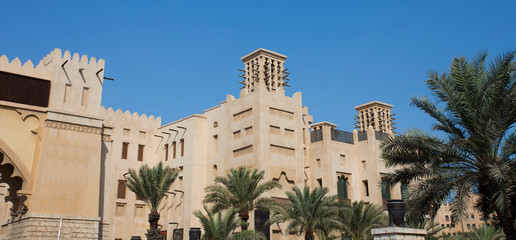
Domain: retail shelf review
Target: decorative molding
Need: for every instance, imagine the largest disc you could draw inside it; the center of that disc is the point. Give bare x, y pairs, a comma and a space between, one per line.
24, 113
106, 138
72, 127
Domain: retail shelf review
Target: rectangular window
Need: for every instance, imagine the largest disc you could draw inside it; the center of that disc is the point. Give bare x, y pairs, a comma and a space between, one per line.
215, 143
139, 198
84, 101
318, 161
182, 143
166, 152
125, 147
140, 152
366, 188
120, 210
343, 160
68, 92
448, 225
138, 211
121, 189
468, 226
447, 218
174, 150
342, 187
386, 190
319, 180
472, 216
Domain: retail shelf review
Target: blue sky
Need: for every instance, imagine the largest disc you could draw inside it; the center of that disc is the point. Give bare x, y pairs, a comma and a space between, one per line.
178, 58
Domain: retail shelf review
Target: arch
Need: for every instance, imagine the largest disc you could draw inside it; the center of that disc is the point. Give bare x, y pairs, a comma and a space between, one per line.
214, 170
14, 173
16, 162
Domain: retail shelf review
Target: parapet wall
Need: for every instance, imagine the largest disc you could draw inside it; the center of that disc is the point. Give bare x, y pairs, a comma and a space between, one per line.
27, 69
116, 118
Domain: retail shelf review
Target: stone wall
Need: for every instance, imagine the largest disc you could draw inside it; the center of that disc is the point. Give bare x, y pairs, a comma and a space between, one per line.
41, 227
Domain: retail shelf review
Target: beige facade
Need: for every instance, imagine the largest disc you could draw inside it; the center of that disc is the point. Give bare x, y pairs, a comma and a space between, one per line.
473, 218
67, 155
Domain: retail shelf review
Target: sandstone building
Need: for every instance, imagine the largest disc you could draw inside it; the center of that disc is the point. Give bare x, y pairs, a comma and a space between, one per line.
64, 156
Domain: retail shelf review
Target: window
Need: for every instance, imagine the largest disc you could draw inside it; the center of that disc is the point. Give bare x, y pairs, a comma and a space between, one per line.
139, 198
68, 92
366, 187
174, 150
318, 161
472, 216
319, 180
468, 226
182, 143
442, 225
453, 225
474, 225
127, 132
447, 218
140, 152
125, 147
166, 152
342, 187
215, 143
386, 190
343, 160
448, 225
120, 210
121, 189
84, 101
138, 211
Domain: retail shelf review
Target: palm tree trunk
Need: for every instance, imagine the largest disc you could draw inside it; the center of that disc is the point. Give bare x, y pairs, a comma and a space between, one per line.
309, 235
153, 232
244, 216
507, 225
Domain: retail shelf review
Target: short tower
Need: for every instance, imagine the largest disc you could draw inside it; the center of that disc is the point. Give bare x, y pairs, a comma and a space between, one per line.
264, 69
375, 114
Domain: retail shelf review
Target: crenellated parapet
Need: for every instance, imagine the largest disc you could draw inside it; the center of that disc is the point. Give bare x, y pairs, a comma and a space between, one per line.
77, 84
127, 119
27, 69
56, 57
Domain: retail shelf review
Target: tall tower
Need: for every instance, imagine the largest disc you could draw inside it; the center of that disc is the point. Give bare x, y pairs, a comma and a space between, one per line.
375, 114
264, 71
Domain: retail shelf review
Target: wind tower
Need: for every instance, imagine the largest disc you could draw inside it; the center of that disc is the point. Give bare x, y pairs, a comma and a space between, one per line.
375, 114
264, 71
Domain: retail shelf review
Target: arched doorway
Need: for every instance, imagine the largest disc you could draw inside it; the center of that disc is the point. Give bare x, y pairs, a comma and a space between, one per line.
15, 176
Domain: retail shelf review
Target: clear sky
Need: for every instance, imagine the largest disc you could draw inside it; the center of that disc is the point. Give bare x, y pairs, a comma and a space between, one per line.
178, 58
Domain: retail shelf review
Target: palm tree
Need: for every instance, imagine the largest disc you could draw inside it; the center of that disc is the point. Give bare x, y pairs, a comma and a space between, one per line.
152, 185
220, 227
358, 219
310, 212
484, 233
240, 189
475, 110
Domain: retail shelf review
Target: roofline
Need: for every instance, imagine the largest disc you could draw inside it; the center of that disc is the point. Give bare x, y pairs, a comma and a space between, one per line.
373, 103
265, 52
